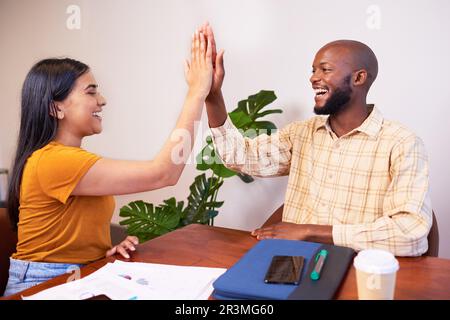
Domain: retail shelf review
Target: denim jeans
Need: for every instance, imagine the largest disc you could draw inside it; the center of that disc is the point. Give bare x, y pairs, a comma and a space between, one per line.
26, 274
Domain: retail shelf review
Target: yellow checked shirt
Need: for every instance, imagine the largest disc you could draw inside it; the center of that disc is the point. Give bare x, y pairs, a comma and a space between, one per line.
371, 184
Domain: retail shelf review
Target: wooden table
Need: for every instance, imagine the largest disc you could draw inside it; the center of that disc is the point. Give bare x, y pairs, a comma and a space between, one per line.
200, 245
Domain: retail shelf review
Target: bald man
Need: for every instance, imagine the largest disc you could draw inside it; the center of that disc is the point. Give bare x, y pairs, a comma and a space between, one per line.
355, 178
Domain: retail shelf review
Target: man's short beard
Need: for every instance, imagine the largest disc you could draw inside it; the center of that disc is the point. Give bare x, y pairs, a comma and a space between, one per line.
338, 100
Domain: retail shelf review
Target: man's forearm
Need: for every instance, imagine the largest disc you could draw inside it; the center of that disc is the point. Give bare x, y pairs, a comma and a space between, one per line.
217, 112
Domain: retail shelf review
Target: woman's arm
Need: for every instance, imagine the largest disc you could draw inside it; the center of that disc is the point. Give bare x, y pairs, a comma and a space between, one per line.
114, 177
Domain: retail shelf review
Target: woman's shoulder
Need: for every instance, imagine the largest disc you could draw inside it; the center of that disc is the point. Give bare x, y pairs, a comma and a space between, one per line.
55, 155
55, 149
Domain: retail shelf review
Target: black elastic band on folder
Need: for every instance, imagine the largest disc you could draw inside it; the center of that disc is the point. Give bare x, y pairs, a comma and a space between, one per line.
333, 273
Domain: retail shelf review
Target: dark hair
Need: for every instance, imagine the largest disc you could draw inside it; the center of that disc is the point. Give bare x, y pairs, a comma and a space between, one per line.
48, 81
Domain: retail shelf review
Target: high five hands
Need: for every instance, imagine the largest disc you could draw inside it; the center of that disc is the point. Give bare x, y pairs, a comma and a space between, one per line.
217, 60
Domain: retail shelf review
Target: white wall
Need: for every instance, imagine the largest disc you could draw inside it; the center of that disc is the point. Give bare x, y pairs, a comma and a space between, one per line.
136, 50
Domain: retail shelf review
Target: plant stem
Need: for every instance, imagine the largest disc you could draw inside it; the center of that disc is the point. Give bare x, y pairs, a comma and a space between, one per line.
210, 223
219, 180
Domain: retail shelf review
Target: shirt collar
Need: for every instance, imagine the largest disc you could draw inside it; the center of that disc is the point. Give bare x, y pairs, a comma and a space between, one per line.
371, 126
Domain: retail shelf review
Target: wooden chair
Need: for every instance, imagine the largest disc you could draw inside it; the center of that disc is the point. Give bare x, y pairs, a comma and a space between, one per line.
433, 239
7, 247
118, 234
433, 236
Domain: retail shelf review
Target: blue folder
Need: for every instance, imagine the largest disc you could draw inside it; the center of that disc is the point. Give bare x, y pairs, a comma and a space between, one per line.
245, 279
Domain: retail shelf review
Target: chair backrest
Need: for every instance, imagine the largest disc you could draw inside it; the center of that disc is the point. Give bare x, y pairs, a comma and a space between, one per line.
433, 235
276, 217
433, 239
118, 234
7, 247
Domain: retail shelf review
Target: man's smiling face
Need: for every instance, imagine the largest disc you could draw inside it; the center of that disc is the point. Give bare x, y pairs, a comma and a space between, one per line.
331, 80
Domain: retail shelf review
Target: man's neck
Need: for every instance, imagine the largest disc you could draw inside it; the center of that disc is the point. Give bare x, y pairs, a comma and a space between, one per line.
350, 118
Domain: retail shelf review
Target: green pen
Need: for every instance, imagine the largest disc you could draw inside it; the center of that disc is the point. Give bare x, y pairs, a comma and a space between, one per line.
320, 261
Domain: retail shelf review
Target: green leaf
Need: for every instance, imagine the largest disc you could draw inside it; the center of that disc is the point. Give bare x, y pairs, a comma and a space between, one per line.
240, 119
199, 201
220, 170
209, 159
216, 204
212, 214
205, 158
267, 125
265, 113
261, 99
147, 221
251, 105
242, 106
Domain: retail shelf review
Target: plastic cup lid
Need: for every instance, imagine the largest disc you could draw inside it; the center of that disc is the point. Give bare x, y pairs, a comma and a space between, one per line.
376, 261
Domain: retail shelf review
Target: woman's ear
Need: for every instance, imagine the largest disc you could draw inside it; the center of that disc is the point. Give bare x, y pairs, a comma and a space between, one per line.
55, 111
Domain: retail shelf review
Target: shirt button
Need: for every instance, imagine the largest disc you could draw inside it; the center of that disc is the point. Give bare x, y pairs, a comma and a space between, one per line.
337, 145
330, 176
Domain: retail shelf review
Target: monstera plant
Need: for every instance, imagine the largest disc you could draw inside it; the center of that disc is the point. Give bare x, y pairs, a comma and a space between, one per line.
147, 221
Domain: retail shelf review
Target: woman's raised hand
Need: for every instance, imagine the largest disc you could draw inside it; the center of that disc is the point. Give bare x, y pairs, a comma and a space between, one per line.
199, 71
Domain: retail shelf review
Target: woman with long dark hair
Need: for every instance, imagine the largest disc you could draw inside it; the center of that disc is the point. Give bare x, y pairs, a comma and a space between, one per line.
60, 195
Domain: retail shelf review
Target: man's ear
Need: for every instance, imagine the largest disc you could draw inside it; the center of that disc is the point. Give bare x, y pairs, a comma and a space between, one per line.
55, 111
360, 77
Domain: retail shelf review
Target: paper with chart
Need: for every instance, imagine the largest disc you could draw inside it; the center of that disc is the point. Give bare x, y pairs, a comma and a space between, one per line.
168, 281
139, 281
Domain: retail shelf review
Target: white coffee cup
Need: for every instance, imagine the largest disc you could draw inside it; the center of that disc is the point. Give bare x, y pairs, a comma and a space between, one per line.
376, 271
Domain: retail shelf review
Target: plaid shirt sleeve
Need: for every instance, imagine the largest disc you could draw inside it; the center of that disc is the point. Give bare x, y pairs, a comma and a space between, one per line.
407, 212
262, 156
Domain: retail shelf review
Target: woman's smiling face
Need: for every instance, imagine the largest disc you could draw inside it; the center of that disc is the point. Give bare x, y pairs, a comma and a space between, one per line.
81, 110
